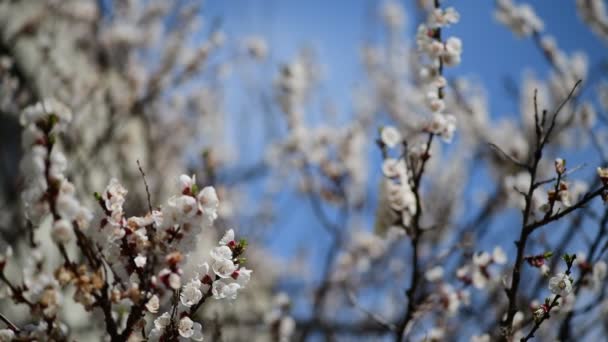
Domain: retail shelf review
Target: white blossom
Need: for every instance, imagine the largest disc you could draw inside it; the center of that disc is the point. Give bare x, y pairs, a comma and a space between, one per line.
227, 238
62, 231
140, 261
186, 182
221, 253
434, 274
209, 202
162, 321
560, 284
498, 256
223, 268
393, 168
443, 125
221, 289
6, 335
191, 293
390, 136
186, 327
443, 17
243, 276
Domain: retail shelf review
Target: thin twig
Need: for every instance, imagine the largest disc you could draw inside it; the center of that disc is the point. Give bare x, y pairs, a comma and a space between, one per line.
375, 317
567, 173
9, 323
526, 227
507, 156
143, 175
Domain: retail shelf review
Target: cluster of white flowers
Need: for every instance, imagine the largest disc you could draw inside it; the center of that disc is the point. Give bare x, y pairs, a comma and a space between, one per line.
595, 14
568, 69
292, 86
187, 329
477, 272
129, 246
452, 299
177, 224
47, 191
396, 188
520, 19
222, 280
440, 54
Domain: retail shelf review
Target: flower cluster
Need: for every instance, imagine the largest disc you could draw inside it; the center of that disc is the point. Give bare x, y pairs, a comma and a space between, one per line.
48, 193
595, 14
439, 54
521, 19
477, 272
222, 280
47, 190
122, 266
396, 186
452, 299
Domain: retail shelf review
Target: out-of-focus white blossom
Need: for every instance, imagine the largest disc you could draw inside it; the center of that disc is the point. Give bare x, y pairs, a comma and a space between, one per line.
443, 125
434, 274
521, 19
256, 46
595, 14
443, 17
393, 14
390, 136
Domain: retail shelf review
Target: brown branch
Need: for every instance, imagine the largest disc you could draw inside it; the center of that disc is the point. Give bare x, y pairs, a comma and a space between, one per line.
10, 324
547, 314
143, 176
526, 227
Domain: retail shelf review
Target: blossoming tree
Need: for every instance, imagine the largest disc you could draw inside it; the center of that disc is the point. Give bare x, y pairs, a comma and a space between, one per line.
100, 99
